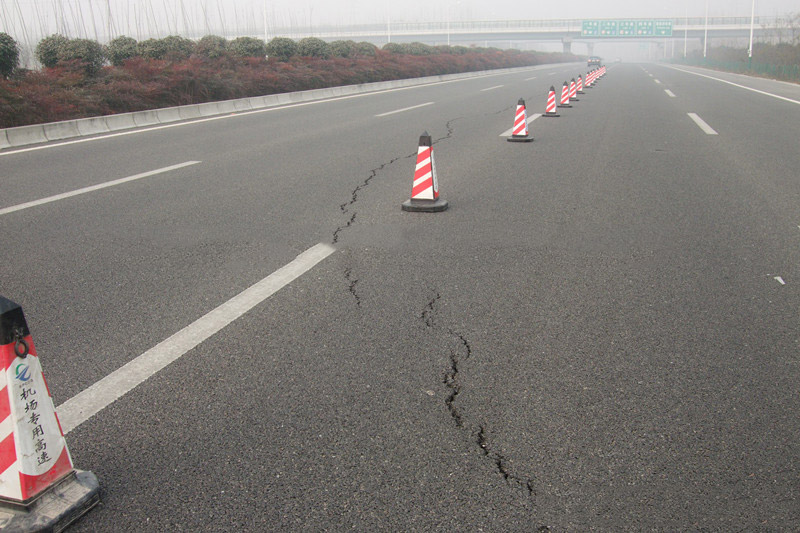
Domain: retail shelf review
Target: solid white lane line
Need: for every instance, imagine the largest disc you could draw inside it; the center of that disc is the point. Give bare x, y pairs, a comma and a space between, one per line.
492, 88
93, 188
531, 118
737, 85
404, 109
703, 126
780, 280
97, 397
669, 93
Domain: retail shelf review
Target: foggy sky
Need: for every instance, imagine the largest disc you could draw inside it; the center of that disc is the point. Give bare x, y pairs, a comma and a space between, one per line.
30, 20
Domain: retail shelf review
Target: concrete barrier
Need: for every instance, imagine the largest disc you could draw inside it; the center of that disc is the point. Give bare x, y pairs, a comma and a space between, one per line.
209, 109
123, 121
242, 104
24, 135
226, 107
56, 131
188, 112
4, 140
92, 126
146, 118
168, 114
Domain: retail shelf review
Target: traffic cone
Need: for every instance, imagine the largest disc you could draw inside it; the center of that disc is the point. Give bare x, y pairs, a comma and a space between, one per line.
519, 133
573, 90
550, 110
425, 188
39, 488
564, 96
580, 85
603, 70
588, 83
591, 78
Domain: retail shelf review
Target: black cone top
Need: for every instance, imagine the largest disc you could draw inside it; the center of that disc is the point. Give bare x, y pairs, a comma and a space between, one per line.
12, 322
425, 139
521, 102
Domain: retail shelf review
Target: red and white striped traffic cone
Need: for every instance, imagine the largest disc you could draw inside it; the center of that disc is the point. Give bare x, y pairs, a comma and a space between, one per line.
550, 110
38, 484
573, 90
591, 78
425, 188
580, 85
564, 96
603, 70
519, 133
587, 84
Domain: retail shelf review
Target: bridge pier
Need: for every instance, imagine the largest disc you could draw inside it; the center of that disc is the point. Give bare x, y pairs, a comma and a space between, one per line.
589, 49
567, 42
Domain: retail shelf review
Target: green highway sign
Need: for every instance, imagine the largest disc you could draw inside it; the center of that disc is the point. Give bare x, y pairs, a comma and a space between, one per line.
591, 28
663, 28
609, 28
626, 28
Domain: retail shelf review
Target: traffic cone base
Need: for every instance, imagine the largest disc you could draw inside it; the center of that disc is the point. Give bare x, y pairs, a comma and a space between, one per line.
520, 139
425, 206
58, 507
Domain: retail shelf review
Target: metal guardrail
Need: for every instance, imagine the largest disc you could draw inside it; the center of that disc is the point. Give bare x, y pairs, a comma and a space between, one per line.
781, 72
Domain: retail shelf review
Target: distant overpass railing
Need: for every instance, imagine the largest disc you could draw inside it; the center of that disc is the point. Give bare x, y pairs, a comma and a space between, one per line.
551, 26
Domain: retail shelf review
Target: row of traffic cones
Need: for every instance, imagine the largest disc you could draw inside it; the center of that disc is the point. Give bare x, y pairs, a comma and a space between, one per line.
425, 187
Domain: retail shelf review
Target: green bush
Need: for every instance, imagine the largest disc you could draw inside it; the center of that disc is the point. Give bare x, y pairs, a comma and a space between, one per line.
281, 48
248, 47
178, 48
418, 49
86, 52
313, 47
50, 50
120, 49
172, 48
9, 55
394, 48
342, 48
365, 49
212, 46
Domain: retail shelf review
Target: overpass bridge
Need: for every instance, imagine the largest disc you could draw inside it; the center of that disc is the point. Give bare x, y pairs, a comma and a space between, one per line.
566, 31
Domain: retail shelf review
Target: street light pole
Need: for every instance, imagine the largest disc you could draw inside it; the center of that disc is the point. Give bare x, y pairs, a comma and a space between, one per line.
705, 35
750, 50
685, 30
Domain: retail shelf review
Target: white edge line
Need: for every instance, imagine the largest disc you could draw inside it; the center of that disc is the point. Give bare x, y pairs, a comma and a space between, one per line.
702, 123
245, 113
98, 396
404, 109
735, 85
492, 88
531, 118
93, 188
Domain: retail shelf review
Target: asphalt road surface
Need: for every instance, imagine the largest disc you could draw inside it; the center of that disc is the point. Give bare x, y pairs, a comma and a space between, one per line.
601, 332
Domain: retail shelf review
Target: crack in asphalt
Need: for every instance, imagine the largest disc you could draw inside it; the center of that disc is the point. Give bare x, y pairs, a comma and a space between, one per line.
449, 134
348, 275
451, 381
501, 463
